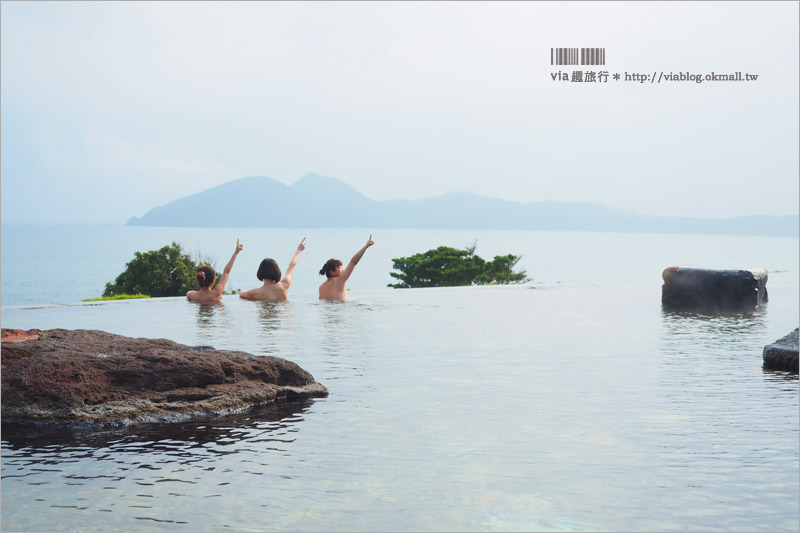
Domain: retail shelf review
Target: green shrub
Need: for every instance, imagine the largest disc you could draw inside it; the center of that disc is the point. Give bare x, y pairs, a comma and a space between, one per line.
450, 267
501, 271
168, 271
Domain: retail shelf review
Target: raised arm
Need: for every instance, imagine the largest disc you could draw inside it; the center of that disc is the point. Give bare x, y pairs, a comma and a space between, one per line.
287, 278
355, 259
223, 279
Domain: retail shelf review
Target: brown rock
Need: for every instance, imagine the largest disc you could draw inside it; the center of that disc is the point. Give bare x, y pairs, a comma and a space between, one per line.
85, 377
16, 335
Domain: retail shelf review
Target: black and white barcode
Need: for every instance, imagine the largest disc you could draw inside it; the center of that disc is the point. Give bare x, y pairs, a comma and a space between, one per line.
577, 56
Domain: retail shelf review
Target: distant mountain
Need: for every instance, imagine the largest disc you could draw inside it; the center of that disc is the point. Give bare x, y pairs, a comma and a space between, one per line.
317, 202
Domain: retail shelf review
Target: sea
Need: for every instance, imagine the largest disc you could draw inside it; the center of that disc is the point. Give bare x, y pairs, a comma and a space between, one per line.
573, 402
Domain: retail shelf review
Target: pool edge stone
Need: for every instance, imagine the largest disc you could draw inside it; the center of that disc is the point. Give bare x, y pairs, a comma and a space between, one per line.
783, 353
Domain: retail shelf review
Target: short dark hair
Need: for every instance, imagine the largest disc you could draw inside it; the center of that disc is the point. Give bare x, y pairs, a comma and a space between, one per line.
329, 266
269, 269
205, 275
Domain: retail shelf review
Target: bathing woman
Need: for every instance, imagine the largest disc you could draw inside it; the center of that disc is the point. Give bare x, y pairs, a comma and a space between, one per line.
206, 277
333, 288
274, 289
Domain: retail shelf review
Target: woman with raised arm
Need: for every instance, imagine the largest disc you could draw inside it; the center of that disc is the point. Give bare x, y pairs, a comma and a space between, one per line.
208, 294
274, 289
334, 287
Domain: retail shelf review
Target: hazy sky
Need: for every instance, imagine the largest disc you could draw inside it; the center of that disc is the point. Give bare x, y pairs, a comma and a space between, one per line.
111, 108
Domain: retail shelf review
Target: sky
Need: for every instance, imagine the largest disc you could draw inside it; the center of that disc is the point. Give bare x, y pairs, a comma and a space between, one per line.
108, 109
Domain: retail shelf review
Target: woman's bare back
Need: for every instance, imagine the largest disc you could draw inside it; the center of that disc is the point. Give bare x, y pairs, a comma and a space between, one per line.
272, 292
332, 289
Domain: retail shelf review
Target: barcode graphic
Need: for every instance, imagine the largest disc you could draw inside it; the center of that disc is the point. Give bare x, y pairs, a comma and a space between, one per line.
577, 56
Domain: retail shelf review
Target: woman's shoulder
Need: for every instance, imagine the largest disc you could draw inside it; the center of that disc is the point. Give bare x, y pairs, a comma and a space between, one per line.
249, 293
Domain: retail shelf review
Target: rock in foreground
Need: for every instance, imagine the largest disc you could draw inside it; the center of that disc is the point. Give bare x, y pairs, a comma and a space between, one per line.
782, 354
83, 377
706, 290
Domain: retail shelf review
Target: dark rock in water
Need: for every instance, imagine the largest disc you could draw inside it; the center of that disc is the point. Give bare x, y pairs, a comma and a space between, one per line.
84, 377
782, 354
705, 290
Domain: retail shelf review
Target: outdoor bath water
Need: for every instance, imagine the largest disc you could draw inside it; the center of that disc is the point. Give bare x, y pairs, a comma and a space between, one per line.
573, 402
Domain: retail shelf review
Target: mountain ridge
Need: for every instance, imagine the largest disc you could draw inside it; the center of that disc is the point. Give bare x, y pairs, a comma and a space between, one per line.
320, 201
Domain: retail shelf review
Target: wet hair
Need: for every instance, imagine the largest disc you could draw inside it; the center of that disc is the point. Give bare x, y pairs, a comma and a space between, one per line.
269, 269
329, 266
205, 275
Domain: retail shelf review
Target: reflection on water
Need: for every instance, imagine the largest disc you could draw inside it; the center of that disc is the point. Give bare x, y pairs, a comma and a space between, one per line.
781, 375
142, 474
211, 317
345, 337
744, 317
338, 325
270, 314
719, 332
210, 437
274, 318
